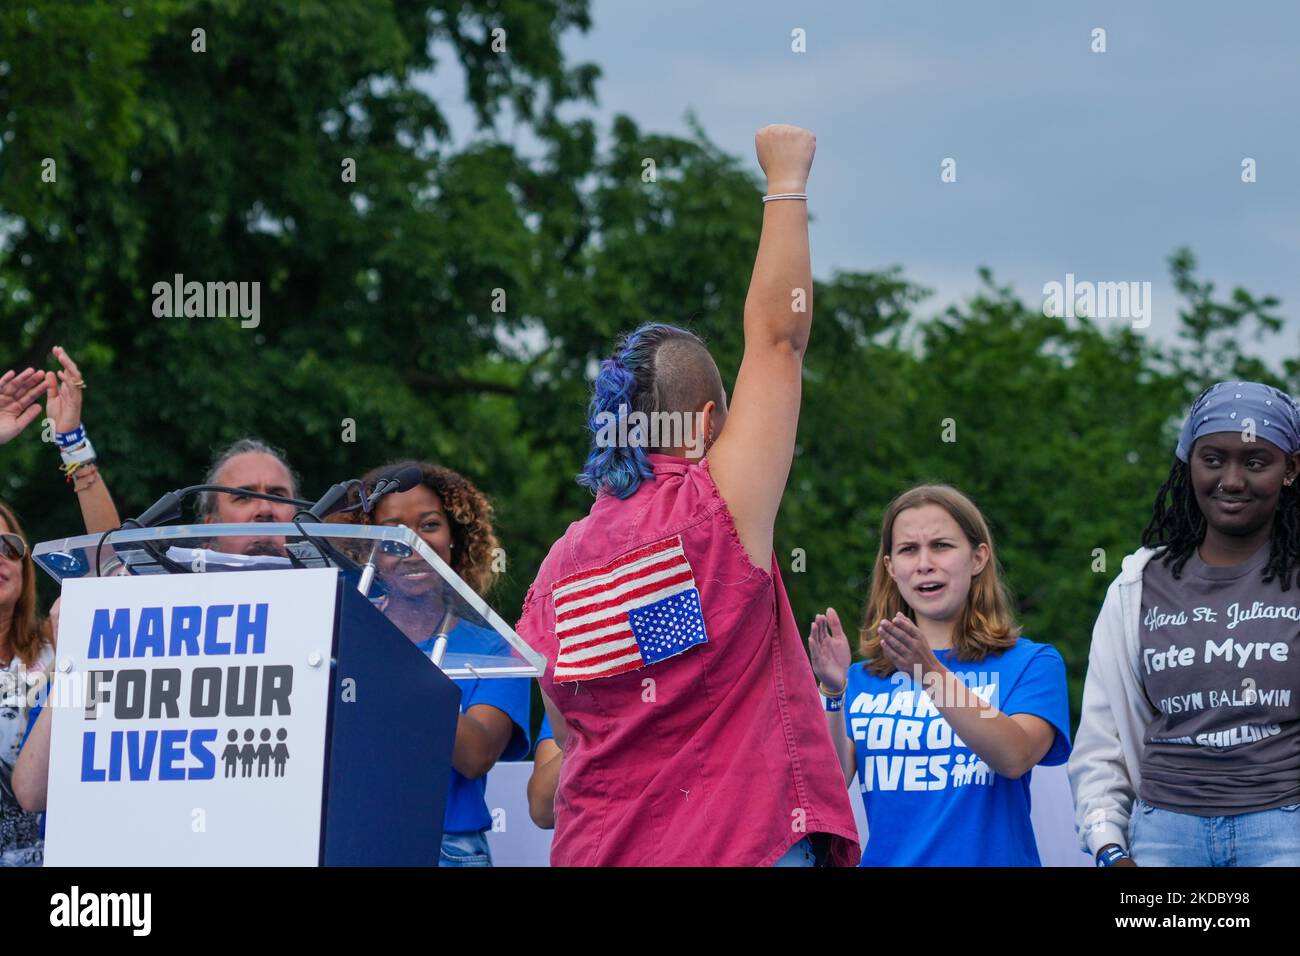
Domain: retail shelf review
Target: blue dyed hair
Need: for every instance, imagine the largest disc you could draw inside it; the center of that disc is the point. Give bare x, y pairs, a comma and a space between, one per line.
632, 380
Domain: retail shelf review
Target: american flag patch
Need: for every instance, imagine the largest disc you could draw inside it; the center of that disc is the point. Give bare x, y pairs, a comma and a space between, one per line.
638, 610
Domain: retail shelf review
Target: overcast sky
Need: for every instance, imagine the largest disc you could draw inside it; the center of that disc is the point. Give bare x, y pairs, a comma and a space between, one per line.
1067, 160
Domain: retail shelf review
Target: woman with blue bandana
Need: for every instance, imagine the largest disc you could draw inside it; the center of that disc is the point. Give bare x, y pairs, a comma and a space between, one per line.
1188, 749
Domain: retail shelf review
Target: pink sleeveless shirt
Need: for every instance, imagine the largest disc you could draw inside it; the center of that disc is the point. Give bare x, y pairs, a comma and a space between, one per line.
696, 733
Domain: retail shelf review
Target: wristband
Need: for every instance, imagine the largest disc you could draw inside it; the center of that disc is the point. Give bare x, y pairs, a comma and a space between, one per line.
831, 702
78, 455
72, 438
1110, 854
773, 196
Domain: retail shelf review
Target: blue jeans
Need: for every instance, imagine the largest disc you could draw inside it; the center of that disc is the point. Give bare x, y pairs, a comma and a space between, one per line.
1263, 838
465, 849
801, 854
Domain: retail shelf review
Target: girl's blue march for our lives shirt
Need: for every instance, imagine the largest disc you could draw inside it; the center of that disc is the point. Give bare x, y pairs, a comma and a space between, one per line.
467, 810
929, 800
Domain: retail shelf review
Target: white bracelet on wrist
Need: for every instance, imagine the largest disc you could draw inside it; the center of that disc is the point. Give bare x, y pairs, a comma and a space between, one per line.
81, 454
772, 196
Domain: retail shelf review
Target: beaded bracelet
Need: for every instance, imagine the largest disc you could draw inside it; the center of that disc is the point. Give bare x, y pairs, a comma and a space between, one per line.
90, 472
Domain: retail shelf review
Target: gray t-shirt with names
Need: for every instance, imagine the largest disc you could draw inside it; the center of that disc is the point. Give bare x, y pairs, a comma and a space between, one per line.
1220, 662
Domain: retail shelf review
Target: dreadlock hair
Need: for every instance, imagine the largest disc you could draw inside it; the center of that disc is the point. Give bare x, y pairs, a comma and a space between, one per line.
1178, 526
655, 368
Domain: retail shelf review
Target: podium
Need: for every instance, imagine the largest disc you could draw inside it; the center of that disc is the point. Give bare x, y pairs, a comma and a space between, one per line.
280, 715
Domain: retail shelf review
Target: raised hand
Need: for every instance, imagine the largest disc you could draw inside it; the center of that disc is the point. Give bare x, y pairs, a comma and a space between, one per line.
907, 649
786, 155
63, 393
828, 650
18, 394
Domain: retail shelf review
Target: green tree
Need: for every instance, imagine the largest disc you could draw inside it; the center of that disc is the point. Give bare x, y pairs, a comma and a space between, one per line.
228, 165
453, 303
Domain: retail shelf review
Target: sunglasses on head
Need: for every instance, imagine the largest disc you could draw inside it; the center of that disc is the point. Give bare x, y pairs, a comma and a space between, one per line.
12, 547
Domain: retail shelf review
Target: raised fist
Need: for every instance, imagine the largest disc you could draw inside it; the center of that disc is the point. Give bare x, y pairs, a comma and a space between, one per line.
786, 155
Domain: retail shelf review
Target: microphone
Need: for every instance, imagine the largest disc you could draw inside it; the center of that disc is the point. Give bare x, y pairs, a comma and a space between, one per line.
403, 479
168, 507
329, 502
335, 499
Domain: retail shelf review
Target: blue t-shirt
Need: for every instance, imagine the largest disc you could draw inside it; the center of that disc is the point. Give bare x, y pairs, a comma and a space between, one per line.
544, 732
467, 810
929, 800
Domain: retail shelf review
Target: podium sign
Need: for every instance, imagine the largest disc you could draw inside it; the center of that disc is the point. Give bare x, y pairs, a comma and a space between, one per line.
191, 709
260, 694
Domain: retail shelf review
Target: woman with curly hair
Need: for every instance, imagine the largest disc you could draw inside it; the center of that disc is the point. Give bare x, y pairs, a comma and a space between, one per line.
952, 709
1188, 750
454, 519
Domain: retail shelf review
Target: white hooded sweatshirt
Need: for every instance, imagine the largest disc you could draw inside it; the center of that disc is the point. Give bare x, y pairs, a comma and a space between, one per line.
1105, 766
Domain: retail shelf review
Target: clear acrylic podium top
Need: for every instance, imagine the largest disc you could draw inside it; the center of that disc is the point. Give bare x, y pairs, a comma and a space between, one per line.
400, 574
